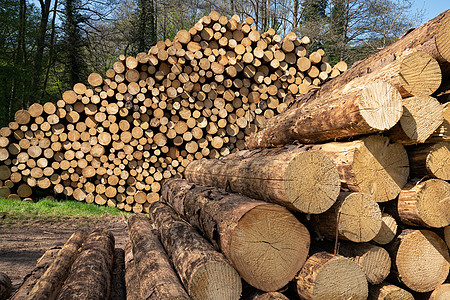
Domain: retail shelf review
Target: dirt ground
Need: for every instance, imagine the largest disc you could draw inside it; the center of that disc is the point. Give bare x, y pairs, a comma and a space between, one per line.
22, 242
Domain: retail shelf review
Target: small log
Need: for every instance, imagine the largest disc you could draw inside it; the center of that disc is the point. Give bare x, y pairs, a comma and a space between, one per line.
373, 260
372, 165
420, 259
387, 291
290, 176
355, 217
204, 272
328, 276
388, 230
5, 286
157, 278
442, 292
430, 160
252, 234
49, 285
118, 288
96, 254
425, 203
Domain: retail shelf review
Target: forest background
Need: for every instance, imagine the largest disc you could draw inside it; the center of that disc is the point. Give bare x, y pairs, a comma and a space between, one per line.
46, 46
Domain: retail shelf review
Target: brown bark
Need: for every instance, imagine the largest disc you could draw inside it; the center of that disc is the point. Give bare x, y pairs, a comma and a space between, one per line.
5, 286
204, 272
157, 277
118, 288
132, 281
265, 243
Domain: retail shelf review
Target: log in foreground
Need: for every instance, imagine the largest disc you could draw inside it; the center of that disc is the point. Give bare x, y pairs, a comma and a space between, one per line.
292, 176
350, 111
157, 277
355, 217
430, 160
425, 203
421, 259
132, 282
90, 275
372, 165
328, 276
265, 243
49, 285
204, 272
442, 292
387, 291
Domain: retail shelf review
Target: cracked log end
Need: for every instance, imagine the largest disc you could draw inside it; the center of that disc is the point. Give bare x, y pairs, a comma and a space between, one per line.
269, 246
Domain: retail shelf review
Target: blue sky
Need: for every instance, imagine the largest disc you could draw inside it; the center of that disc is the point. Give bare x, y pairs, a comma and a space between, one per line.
431, 8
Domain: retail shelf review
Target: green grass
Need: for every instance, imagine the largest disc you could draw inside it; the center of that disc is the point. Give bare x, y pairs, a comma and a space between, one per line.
52, 209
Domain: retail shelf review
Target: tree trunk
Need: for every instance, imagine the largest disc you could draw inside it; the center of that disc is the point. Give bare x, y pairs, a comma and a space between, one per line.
387, 291
97, 253
371, 165
49, 285
292, 176
321, 269
425, 203
132, 281
204, 272
157, 278
430, 160
420, 259
265, 243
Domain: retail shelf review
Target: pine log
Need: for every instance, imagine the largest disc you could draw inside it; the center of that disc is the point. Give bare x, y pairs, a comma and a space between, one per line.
420, 259
290, 176
265, 243
422, 116
362, 109
39, 269
425, 203
387, 291
388, 230
5, 286
328, 276
430, 160
442, 134
157, 278
355, 217
118, 288
442, 292
132, 281
373, 260
205, 273
372, 165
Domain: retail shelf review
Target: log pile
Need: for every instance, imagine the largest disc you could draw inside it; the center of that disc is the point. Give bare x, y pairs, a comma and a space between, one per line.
115, 140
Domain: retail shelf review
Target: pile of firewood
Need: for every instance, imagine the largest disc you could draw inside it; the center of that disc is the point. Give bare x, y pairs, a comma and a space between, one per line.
200, 95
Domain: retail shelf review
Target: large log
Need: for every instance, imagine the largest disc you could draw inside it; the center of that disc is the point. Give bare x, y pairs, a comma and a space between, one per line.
49, 285
328, 276
292, 176
421, 259
387, 291
265, 243
425, 203
372, 165
431, 160
368, 107
97, 253
132, 282
355, 217
204, 272
157, 278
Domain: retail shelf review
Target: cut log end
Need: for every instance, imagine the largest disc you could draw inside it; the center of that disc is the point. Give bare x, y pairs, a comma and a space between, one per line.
269, 233
387, 231
441, 293
215, 280
386, 291
381, 168
438, 161
380, 105
312, 182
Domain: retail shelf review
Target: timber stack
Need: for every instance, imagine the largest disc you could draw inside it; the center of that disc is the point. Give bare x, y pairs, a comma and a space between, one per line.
344, 194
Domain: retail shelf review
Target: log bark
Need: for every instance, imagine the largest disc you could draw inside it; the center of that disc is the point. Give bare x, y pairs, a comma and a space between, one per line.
292, 176
387, 291
39, 269
96, 254
372, 165
388, 230
425, 203
118, 288
265, 243
430, 160
373, 260
442, 292
50, 284
327, 276
420, 259
373, 107
5, 286
204, 272
132, 281
355, 217
157, 277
